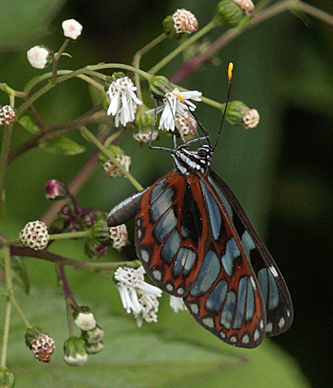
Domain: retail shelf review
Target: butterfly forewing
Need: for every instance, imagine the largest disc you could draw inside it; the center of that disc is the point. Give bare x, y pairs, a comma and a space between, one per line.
277, 300
191, 249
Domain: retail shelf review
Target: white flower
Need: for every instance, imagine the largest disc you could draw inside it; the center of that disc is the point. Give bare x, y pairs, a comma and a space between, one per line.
177, 304
123, 101
38, 56
149, 307
175, 102
77, 360
72, 29
130, 284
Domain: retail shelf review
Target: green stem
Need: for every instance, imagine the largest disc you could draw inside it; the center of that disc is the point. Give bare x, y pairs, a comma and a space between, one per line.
6, 327
57, 56
19, 311
5, 148
110, 155
5, 337
208, 27
58, 236
137, 57
315, 12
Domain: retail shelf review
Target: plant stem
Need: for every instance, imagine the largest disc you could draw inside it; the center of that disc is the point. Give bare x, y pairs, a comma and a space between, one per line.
315, 12
19, 311
110, 155
8, 310
67, 292
137, 57
56, 58
208, 27
5, 148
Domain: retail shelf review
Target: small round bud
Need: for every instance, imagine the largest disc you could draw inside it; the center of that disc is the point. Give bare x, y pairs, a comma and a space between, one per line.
75, 352
119, 236
94, 348
72, 29
187, 124
7, 378
169, 28
184, 21
251, 119
35, 235
39, 57
143, 122
56, 190
100, 232
7, 115
93, 336
83, 318
41, 345
240, 114
160, 86
228, 14
112, 170
144, 137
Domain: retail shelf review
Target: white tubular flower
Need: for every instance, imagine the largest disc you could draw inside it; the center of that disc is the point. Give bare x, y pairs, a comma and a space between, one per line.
72, 29
123, 101
85, 321
39, 57
149, 307
130, 283
177, 304
35, 235
175, 102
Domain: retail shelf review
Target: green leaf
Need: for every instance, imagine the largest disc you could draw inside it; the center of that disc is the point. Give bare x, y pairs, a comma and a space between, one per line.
28, 125
21, 21
63, 146
153, 356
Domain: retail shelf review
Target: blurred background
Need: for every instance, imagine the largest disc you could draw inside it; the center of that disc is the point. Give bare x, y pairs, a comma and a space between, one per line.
281, 171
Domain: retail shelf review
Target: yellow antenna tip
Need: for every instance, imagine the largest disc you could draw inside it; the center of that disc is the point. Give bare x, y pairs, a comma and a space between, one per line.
230, 68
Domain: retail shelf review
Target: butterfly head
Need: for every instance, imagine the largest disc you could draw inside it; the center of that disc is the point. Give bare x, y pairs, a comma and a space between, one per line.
187, 161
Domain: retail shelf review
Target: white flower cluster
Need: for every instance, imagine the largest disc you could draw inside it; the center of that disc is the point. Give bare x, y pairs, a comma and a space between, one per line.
136, 295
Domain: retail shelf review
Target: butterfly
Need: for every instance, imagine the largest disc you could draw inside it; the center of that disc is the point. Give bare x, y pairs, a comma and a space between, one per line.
196, 242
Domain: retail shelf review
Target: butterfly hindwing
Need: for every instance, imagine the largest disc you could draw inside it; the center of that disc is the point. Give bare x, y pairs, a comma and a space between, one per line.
191, 249
277, 300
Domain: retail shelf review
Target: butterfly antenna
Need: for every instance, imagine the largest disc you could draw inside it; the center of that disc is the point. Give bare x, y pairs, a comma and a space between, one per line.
230, 68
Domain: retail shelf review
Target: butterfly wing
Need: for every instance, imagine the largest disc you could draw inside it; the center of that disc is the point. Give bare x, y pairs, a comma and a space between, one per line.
277, 300
190, 249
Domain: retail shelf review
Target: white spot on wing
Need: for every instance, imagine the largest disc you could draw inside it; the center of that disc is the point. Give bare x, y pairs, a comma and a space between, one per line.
273, 271
253, 283
157, 274
269, 327
281, 323
144, 255
256, 335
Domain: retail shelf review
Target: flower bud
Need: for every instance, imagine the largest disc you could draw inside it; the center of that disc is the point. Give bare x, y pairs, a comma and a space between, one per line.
39, 342
74, 352
143, 122
93, 336
7, 378
100, 232
39, 57
56, 190
7, 115
115, 150
119, 236
240, 114
35, 235
94, 251
83, 318
72, 29
94, 348
184, 21
160, 86
228, 14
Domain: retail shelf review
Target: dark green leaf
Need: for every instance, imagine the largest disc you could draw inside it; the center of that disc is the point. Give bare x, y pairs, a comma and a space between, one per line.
21, 21
63, 146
